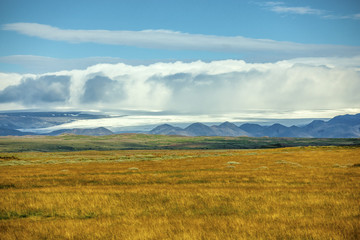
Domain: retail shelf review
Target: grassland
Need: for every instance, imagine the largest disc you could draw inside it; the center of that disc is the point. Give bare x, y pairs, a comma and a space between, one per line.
144, 141
282, 193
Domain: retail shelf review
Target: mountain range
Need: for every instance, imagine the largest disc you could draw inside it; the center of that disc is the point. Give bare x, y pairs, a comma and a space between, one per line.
33, 120
11, 122
344, 126
100, 131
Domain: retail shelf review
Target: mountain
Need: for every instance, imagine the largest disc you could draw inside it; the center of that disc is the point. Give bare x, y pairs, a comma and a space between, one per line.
345, 126
277, 130
229, 129
346, 119
199, 129
31, 120
13, 132
100, 131
254, 130
166, 129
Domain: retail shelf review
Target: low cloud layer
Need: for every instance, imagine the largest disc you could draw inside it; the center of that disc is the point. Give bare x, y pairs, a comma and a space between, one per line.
51, 90
171, 40
219, 87
102, 89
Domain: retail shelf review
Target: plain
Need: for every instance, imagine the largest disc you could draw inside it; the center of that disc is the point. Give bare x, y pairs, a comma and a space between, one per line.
284, 193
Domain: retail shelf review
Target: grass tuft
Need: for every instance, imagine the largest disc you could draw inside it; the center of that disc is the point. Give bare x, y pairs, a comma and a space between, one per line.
133, 169
233, 162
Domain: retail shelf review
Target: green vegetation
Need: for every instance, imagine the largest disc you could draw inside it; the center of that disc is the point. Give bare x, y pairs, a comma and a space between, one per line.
142, 141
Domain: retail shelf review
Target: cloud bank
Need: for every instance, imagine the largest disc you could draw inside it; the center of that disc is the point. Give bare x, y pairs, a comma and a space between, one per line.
218, 87
171, 40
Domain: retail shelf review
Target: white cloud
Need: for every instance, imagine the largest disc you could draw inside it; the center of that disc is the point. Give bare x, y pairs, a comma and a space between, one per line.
280, 7
356, 16
164, 39
349, 16
296, 10
7, 79
218, 87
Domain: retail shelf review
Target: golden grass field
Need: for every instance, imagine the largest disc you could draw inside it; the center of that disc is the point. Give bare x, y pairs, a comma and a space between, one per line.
287, 193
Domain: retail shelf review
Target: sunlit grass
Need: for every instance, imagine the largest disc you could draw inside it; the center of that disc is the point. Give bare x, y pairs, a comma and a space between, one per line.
290, 193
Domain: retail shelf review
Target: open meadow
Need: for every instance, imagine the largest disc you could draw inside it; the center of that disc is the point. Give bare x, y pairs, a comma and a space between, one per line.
284, 193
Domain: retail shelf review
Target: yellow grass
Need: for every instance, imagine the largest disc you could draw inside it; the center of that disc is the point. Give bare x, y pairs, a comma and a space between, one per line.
290, 193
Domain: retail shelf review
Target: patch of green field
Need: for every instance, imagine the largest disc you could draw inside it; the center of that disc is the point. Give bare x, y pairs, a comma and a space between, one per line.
142, 141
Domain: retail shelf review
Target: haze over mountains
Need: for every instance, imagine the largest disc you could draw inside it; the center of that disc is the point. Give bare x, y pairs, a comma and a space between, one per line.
32, 120
343, 126
12, 122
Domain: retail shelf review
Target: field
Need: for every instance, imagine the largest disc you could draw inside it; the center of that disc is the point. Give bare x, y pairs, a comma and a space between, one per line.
282, 193
144, 141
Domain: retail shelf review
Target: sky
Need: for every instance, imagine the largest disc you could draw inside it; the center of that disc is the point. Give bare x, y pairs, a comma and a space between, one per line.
286, 59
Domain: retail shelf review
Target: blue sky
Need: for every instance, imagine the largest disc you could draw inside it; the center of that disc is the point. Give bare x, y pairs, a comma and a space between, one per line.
57, 51
307, 22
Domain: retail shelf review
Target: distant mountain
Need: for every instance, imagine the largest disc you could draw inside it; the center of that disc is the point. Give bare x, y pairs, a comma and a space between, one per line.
199, 129
275, 130
346, 119
345, 126
31, 120
253, 130
166, 129
13, 132
229, 129
100, 131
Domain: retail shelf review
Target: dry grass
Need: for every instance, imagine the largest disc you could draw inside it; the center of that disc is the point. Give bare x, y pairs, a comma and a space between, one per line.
290, 193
